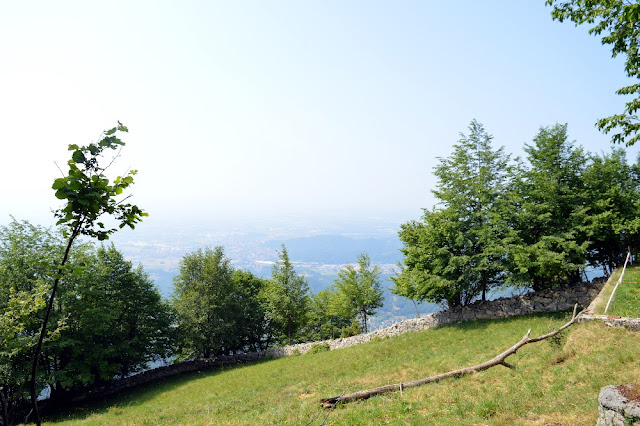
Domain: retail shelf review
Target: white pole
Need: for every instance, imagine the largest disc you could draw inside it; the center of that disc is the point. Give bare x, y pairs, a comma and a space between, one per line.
618, 283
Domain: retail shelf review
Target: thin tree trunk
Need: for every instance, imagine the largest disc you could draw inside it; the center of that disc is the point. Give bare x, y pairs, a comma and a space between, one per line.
498, 360
43, 330
5, 409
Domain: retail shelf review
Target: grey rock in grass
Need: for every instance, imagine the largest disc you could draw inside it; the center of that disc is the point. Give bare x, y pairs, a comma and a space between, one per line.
619, 406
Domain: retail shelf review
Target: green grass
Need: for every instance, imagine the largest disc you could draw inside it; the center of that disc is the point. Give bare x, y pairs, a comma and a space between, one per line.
626, 302
555, 382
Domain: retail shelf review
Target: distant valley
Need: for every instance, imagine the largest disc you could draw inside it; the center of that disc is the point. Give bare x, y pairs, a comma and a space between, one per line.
317, 255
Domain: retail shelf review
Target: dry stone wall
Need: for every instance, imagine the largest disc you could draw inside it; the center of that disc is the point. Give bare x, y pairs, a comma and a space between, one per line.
551, 300
632, 324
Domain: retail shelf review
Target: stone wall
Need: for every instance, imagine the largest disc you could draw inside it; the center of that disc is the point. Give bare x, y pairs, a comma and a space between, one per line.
551, 300
619, 406
632, 324
150, 376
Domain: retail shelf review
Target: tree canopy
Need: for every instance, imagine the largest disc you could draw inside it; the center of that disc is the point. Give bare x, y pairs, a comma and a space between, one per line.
534, 224
618, 23
109, 319
219, 309
456, 252
360, 288
287, 298
89, 195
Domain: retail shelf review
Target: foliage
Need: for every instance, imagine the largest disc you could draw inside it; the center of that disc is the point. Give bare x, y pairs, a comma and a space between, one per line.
613, 226
203, 299
287, 299
317, 348
88, 195
456, 253
26, 255
360, 288
116, 323
109, 319
551, 244
253, 328
218, 309
352, 329
328, 314
618, 22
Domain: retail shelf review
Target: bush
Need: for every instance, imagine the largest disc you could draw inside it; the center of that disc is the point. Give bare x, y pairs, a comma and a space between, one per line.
319, 347
351, 330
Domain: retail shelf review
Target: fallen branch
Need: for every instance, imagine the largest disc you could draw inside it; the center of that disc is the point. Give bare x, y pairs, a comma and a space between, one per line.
498, 360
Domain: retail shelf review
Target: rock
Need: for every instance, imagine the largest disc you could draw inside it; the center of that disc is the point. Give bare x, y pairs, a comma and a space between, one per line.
619, 406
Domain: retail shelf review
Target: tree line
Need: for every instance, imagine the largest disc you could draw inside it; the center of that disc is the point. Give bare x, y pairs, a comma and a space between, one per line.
501, 221
109, 320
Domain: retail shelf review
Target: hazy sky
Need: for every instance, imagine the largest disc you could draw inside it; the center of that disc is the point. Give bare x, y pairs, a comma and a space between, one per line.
258, 108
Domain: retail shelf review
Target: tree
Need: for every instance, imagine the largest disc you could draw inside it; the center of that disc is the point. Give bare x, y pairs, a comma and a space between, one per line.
287, 298
618, 22
116, 323
254, 331
613, 222
26, 255
361, 289
551, 243
456, 253
108, 319
205, 304
329, 315
89, 195
219, 309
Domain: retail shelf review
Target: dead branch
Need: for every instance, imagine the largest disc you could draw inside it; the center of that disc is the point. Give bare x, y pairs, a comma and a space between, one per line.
498, 360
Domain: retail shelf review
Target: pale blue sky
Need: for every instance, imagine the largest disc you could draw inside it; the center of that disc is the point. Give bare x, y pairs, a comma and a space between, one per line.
254, 108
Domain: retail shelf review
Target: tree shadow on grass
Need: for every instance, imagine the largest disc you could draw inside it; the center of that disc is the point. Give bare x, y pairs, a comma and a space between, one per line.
140, 394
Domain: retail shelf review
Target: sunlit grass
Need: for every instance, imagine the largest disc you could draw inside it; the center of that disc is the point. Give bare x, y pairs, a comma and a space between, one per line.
555, 382
626, 301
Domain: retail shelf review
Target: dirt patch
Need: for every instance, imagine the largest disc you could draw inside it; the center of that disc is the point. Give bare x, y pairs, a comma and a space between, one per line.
629, 393
307, 395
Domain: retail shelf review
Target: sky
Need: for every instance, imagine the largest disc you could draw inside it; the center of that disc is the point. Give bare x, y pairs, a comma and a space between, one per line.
253, 109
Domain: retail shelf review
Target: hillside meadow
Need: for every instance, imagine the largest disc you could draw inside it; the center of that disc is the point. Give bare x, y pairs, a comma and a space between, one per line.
626, 301
556, 381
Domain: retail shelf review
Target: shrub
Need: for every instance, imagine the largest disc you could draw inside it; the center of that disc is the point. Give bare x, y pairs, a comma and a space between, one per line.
319, 347
351, 330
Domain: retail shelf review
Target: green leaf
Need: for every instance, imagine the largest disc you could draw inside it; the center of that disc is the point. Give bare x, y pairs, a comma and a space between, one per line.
78, 157
59, 183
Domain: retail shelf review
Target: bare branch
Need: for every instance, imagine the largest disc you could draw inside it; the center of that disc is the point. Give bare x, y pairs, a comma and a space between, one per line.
59, 169
498, 360
113, 160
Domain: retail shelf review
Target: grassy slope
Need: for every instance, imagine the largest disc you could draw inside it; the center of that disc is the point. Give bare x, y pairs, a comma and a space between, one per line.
626, 302
555, 382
